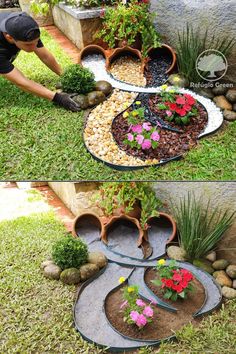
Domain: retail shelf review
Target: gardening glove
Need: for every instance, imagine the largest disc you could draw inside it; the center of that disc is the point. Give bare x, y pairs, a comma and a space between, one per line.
64, 100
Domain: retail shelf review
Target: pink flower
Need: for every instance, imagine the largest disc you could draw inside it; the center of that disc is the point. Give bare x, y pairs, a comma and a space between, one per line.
169, 113
155, 136
139, 139
130, 137
134, 315
123, 304
141, 321
140, 303
137, 128
153, 302
147, 126
146, 144
148, 311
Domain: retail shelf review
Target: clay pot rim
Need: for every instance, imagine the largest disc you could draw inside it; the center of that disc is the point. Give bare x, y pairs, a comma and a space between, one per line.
124, 49
172, 221
91, 47
113, 219
173, 53
86, 214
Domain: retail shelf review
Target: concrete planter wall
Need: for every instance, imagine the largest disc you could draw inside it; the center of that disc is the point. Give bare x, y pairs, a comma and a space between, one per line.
216, 15
40, 19
77, 24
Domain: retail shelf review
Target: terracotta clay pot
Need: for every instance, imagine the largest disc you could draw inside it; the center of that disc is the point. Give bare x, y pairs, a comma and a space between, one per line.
92, 49
119, 52
164, 49
87, 218
136, 45
164, 219
104, 233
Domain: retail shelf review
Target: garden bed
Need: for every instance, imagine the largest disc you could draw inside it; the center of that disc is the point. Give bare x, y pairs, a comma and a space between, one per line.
164, 322
171, 144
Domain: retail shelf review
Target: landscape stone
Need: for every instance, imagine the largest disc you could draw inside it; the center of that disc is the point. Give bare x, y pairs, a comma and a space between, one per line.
204, 264
231, 271
46, 263
220, 264
215, 274
222, 103
231, 95
176, 253
206, 93
52, 271
70, 276
219, 90
97, 258
178, 80
229, 115
88, 270
234, 284
211, 256
223, 279
229, 293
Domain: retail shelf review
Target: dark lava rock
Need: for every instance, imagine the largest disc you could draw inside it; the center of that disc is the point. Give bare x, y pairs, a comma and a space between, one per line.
103, 86
155, 70
95, 97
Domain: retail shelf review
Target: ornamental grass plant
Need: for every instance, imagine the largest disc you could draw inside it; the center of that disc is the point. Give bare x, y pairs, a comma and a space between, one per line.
191, 44
199, 228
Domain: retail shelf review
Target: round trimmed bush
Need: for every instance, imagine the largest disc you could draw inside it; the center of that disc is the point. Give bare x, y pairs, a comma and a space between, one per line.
78, 79
69, 252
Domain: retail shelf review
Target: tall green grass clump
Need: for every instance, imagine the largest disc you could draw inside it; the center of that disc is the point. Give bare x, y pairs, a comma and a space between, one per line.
191, 43
199, 228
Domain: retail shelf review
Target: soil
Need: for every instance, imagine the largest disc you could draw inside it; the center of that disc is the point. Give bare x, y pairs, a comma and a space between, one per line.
155, 70
171, 143
164, 323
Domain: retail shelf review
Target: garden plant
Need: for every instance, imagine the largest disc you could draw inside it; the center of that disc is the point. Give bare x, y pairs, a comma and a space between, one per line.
175, 282
200, 228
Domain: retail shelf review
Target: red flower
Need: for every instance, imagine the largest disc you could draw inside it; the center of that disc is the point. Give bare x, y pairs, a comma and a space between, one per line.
177, 287
173, 106
190, 99
180, 100
184, 284
182, 112
177, 277
187, 107
168, 282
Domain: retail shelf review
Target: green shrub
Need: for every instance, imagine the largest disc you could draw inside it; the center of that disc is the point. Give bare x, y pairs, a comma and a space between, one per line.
77, 79
69, 252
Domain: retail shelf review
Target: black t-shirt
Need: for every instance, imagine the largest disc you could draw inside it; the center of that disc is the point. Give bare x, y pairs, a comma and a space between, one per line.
8, 51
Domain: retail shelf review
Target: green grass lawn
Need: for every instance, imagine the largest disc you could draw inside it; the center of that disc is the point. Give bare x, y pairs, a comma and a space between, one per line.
36, 313
41, 141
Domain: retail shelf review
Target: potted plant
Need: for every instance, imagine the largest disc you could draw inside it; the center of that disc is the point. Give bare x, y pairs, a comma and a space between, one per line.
129, 24
137, 199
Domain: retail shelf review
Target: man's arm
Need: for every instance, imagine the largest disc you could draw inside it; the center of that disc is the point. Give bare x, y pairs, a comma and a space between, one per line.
61, 99
17, 78
48, 59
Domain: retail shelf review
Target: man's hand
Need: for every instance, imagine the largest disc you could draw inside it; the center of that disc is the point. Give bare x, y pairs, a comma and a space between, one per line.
64, 100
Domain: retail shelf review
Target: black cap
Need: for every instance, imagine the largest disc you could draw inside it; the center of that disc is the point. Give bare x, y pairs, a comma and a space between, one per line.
19, 25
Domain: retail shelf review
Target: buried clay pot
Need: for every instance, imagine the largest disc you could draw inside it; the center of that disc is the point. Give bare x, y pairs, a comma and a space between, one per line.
91, 49
121, 52
165, 49
115, 220
164, 220
85, 219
